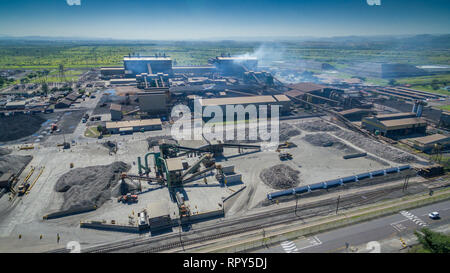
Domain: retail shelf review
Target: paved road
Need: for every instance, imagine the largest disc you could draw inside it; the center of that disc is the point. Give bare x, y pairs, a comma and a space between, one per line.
397, 225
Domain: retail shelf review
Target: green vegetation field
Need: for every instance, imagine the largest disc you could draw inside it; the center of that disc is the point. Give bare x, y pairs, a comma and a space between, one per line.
445, 107
434, 84
77, 54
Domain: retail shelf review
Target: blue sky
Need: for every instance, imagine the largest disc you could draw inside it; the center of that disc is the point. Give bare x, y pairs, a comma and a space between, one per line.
201, 19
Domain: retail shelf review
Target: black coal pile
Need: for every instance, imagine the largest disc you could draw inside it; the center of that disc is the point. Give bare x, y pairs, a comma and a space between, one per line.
280, 177
19, 126
90, 186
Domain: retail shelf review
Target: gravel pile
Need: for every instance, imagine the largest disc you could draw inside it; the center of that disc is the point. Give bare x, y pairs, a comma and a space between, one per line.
83, 187
12, 163
4, 151
327, 140
246, 137
379, 149
280, 177
287, 131
317, 126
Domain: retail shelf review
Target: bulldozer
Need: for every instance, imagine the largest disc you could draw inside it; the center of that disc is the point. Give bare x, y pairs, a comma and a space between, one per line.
22, 189
286, 145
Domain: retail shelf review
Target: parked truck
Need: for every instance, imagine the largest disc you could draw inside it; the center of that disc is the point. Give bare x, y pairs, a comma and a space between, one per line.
128, 198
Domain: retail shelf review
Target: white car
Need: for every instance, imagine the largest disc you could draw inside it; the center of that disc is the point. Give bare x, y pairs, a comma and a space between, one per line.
434, 215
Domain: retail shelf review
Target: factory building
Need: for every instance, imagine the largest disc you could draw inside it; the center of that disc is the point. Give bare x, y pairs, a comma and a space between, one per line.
135, 65
385, 70
154, 101
259, 77
116, 111
394, 125
281, 100
159, 216
111, 72
427, 143
15, 105
158, 80
68, 100
315, 93
129, 81
194, 70
237, 66
64, 103
444, 120
130, 126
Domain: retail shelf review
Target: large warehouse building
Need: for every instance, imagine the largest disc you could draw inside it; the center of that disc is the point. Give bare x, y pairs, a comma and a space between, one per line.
394, 125
130, 126
281, 100
428, 143
147, 64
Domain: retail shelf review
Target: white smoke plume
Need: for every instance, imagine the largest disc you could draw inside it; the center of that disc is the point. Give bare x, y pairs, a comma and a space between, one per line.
267, 53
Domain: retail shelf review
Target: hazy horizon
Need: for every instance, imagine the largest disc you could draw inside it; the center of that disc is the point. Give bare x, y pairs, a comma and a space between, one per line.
220, 19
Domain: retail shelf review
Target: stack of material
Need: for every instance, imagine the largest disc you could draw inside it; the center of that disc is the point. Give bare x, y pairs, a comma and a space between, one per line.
4, 151
379, 149
287, 131
317, 126
90, 186
327, 140
280, 176
12, 163
19, 126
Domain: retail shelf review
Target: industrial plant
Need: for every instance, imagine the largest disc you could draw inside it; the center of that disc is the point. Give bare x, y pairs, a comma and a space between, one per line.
111, 164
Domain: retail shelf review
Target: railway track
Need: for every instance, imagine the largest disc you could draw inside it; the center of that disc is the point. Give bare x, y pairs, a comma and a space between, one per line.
262, 220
